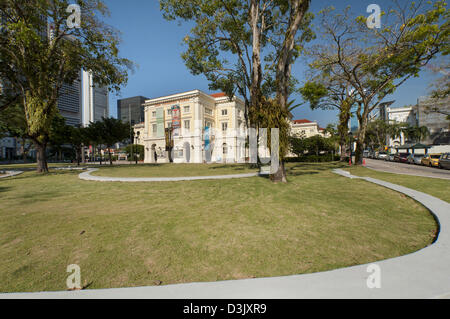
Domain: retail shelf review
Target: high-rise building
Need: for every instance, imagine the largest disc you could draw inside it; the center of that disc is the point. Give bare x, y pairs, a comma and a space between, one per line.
95, 104
83, 102
69, 102
131, 110
433, 113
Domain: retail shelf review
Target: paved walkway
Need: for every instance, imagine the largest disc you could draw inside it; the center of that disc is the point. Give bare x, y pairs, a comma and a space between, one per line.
11, 174
88, 177
424, 274
407, 169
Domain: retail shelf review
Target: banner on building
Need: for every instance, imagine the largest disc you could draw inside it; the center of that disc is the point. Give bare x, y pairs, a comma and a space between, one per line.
176, 120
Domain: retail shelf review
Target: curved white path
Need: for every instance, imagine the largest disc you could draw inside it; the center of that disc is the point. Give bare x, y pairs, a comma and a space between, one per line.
424, 274
88, 177
11, 174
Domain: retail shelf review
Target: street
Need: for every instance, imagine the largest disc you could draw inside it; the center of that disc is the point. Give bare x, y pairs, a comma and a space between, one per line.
407, 169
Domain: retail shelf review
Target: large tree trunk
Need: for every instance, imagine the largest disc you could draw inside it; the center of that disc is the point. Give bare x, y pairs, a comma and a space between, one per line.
359, 151
280, 176
42, 166
284, 68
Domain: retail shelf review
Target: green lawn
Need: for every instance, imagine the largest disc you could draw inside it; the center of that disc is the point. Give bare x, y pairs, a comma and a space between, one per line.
439, 188
174, 170
135, 234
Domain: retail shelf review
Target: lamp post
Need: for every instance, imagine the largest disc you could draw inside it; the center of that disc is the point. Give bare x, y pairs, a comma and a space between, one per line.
350, 138
137, 139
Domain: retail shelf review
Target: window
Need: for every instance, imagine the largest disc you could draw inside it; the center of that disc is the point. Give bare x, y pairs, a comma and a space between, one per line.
208, 111
169, 112
187, 109
224, 112
154, 113
208, 124
225, 149
155, 128
187, 125
224, 126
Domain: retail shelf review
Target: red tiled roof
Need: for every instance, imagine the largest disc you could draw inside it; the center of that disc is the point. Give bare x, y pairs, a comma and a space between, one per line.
217, 95
304, 121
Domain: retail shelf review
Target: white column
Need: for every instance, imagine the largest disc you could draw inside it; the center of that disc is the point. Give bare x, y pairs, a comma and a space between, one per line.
198, 128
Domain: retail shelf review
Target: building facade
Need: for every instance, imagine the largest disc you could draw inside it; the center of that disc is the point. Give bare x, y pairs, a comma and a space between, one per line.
8, 148
83, 102
434, 114
306, 128
407, 115
205, 128
131, 110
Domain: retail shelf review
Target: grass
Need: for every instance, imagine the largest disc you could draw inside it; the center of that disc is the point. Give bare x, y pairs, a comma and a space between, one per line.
174, 170
439, 188
124, 235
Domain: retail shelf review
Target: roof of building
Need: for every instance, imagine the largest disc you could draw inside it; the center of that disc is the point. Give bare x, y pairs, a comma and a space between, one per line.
217, 95
303, 121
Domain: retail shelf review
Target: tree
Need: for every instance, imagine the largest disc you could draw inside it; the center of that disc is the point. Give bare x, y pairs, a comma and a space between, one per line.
13, 124
375, 62
112, 131
243, 30
325, 91
59, 135
415, 133
36, 63
312, 145
78, 138
134, 150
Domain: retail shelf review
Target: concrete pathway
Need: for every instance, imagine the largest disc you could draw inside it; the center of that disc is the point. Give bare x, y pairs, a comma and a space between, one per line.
424, 274
88, 177
11, 174
407, 169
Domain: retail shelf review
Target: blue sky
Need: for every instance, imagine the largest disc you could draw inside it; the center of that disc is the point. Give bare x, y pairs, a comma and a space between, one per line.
155, 45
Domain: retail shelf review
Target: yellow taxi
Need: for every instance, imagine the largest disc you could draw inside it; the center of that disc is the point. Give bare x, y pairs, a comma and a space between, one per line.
431, 160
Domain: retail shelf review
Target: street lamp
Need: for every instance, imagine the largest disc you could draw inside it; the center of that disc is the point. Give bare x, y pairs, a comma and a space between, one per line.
137, 139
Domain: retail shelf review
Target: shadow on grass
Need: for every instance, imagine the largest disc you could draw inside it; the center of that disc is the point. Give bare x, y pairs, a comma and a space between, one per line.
4, 189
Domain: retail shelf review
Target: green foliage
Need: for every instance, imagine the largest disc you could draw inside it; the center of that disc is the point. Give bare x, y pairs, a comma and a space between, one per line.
134, 149
35, 64
373, 63
314, 145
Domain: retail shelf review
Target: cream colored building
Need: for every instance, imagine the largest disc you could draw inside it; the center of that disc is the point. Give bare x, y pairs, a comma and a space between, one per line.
198, 111
306, 128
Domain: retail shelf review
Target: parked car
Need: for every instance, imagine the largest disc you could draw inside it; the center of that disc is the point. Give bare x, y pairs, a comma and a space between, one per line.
401, 157
415, 159
444, 161
390, 157
431, 160
366, 154
382, 155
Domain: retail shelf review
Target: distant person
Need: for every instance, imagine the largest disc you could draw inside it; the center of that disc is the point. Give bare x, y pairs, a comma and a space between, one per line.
156, 158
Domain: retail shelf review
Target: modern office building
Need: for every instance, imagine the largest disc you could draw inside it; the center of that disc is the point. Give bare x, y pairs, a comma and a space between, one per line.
200, 122
433, 113
95, 102
83, 102
131, 110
